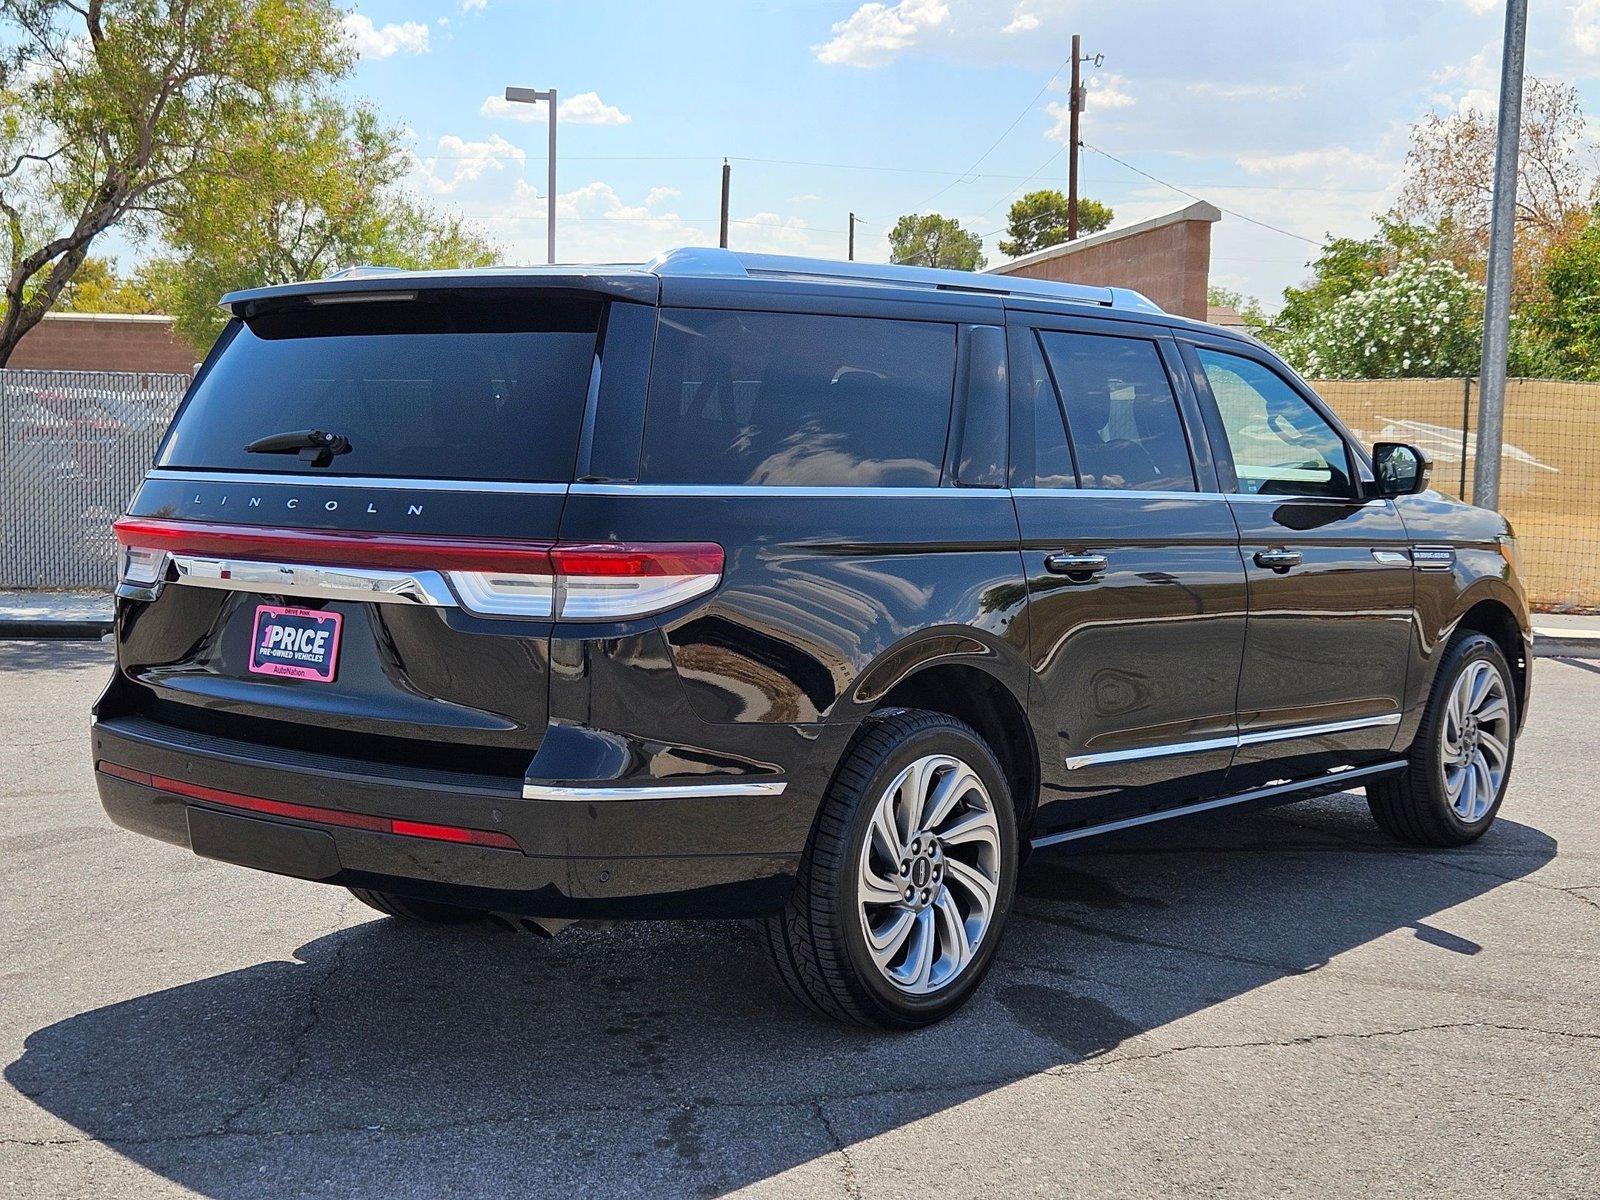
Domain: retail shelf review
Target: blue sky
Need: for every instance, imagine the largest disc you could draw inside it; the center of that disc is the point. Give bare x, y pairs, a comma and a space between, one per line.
1291, 113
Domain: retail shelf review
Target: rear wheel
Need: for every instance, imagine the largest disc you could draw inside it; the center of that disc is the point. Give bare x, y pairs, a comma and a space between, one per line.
908, 879
427, 912
1461, 758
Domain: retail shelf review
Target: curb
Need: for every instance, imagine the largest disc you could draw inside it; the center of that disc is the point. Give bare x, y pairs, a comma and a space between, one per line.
86, 630
1565, 647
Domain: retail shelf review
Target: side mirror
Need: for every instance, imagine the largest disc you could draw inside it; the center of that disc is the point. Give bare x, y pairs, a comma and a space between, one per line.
1401, 468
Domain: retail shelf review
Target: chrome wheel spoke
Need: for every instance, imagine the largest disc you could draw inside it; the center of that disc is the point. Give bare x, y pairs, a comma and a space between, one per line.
886, 942
877, 889
952, 787
953, 932
975, 883
1494, 709
977, 828
919, 963
1494, 749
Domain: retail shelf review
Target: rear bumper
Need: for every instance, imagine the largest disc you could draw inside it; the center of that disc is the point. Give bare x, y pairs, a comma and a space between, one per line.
672, 854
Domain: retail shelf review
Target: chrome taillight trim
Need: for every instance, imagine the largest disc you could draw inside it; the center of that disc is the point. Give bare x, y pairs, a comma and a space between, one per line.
367, 584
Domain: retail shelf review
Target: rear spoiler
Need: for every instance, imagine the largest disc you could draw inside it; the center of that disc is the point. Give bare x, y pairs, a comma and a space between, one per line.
635, 285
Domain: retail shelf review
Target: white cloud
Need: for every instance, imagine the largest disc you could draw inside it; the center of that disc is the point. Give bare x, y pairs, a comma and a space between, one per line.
1586, 26
875, 33
474, 5
1109, 91
586, 108
1106, 92
1327, 164
458, 161
1475, 84
370, 41
1483, 7
1248, 91
1022, 21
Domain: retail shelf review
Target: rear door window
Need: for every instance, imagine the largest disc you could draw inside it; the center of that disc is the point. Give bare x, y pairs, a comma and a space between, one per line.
792, 399
490, 386
1121, 413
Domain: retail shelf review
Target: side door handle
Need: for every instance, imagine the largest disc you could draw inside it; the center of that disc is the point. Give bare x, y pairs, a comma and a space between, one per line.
1278, 560
1080, 568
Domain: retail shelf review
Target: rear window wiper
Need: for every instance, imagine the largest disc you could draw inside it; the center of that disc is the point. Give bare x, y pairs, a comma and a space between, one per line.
314, 446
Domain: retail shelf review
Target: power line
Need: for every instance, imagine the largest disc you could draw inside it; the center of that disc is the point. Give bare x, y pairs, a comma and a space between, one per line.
978, 162
1185, 192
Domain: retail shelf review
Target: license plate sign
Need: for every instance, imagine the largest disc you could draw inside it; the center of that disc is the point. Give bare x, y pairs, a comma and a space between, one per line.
295, 643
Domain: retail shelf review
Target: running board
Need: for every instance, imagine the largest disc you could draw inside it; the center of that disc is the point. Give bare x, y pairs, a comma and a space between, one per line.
1285, 792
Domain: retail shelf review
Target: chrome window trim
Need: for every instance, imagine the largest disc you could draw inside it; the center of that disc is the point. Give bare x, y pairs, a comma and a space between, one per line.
799, 492
1230, 742
381, 483
663, 791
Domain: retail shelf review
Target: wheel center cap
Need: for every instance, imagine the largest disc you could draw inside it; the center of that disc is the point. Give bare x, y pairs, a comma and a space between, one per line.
921, 872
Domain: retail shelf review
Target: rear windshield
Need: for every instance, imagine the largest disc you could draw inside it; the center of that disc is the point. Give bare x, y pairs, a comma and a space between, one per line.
484, 387
788, 399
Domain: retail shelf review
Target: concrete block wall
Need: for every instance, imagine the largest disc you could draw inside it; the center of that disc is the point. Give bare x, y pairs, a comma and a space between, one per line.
1168, 258
105, 342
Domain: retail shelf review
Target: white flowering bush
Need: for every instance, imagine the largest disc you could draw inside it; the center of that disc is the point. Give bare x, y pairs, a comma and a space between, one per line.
1424, 318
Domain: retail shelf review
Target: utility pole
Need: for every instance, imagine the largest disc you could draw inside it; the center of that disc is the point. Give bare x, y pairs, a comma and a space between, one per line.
521, 95
1074, 104
727, 173
852, 254
1502, 231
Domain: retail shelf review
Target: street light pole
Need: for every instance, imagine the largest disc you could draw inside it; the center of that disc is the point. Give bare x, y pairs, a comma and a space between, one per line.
521, 95
1497, 294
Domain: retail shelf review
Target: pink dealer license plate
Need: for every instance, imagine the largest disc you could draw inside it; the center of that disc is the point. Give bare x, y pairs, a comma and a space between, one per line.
295, 643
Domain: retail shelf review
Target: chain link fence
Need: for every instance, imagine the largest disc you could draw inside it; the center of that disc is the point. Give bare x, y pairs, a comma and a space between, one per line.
1549, 465
76, 443
73, 446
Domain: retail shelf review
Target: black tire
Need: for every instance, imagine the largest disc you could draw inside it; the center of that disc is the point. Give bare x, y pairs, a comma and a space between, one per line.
1413, 806
426, 912
816, 943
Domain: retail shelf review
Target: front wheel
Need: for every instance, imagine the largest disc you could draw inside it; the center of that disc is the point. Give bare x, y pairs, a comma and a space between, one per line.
1460, 761
908, 879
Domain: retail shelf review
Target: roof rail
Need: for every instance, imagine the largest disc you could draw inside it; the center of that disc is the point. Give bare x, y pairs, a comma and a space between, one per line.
363, 271
708, 260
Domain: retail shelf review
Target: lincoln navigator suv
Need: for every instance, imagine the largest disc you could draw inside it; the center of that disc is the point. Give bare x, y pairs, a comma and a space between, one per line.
813, 593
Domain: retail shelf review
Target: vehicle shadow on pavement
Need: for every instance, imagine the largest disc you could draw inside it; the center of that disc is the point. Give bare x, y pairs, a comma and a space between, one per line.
662, 1060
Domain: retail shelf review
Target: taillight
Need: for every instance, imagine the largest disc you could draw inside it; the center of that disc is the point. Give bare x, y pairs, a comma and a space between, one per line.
601, 581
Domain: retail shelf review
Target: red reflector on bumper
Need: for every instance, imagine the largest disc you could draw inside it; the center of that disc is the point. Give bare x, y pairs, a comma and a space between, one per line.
308, 812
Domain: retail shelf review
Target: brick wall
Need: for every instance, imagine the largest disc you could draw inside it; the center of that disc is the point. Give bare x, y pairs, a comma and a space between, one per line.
1168, 258
104, 342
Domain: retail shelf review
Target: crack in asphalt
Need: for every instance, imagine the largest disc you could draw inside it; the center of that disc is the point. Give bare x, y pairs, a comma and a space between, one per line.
815, 1105
310, 1019
847, 1166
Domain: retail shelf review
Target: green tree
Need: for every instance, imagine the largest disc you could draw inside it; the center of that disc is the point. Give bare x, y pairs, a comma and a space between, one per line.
1248, 307
111, 110
931, 240
1562, 328
1424, 318
328, 195
1039, 219
97, 288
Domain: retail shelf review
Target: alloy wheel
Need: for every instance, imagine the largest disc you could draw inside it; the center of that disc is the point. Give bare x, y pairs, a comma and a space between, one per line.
929, 875
1475, 743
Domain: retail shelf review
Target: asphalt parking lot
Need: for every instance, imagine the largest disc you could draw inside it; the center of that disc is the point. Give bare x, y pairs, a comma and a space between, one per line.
1269, 1003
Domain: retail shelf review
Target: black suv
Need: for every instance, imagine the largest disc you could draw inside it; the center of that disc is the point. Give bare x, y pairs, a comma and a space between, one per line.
745, 586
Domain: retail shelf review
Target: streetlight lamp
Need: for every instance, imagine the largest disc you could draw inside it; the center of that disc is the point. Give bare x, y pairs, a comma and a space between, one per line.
521, 95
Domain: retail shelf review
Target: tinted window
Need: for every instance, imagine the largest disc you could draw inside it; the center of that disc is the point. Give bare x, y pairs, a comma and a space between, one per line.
1281, 446
787, 399
487, 388
1041, 434
1121, 413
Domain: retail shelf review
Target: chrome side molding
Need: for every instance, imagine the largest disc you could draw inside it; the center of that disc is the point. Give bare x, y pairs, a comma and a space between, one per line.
1254, 737
657, 791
